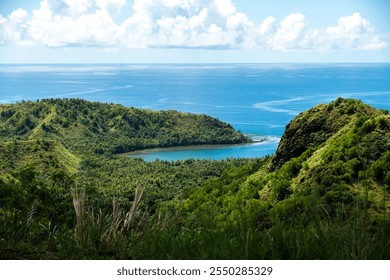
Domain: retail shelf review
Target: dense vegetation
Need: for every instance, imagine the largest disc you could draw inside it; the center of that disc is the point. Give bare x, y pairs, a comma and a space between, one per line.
95, 128
64, 194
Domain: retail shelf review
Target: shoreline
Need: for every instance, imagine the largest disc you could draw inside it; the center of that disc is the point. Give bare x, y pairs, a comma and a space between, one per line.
184, 148
255, 140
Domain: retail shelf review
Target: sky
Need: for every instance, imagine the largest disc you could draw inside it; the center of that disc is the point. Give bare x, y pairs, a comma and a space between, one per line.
194, 31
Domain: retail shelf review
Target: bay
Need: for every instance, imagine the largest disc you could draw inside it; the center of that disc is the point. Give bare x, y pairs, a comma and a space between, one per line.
214, 152
257, 99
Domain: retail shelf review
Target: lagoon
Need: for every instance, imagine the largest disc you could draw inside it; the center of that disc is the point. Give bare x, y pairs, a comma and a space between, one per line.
213, 152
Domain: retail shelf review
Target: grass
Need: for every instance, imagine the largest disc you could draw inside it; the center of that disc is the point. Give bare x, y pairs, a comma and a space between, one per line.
128, 234
101, 234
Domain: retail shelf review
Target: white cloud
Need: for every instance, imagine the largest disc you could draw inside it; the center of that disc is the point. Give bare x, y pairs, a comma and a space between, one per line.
225, 7
267, 27
178, 24
13, 28
94, 28
291, 33
18, 15
353, 32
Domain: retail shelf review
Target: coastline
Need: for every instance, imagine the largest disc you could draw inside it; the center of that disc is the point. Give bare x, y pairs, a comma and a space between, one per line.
256, 140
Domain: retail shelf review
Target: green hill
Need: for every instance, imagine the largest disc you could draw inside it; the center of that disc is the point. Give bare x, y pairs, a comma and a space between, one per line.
315, 126
338, 152
51, 148
327, 188
44, 155
91, 127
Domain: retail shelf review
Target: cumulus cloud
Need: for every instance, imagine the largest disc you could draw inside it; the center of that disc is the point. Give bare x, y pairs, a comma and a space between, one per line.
291, 33
179, 23
353, 32
71, 25
14, 28
209, 24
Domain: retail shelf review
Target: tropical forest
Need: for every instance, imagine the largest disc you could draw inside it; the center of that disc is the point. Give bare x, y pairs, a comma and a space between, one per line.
68, 190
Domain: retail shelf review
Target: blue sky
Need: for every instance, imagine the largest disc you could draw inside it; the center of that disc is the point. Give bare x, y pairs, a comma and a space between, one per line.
172, 31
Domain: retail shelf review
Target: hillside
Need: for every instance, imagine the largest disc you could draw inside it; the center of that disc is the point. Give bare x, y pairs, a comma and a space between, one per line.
324, 194
315, 126
340, 159
47, 155
327, 186
91, 127
51, 148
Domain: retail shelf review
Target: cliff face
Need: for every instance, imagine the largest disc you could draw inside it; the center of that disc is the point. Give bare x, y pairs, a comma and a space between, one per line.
313, 127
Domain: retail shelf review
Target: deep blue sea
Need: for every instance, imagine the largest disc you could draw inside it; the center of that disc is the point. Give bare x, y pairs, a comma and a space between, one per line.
257, 99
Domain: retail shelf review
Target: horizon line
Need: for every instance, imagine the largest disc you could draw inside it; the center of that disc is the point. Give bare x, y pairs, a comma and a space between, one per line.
187, 63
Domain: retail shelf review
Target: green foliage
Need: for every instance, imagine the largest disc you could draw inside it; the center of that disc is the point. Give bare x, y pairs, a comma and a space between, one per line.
63, 193
90, 127
314, 127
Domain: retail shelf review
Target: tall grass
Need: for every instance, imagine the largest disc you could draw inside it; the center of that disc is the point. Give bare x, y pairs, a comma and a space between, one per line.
106, 234
344, 232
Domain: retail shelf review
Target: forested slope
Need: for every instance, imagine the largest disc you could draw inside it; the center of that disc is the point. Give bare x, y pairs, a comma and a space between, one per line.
51, 149
325, 194
91, 127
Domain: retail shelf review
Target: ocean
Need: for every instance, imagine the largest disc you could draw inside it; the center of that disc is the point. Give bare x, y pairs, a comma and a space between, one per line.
257, 99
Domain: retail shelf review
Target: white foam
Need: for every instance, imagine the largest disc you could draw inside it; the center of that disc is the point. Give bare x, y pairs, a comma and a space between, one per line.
94, 90
264, 139
272, 106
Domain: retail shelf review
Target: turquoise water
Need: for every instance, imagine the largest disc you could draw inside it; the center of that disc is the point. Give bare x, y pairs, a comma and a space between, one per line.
257, 99
208, 152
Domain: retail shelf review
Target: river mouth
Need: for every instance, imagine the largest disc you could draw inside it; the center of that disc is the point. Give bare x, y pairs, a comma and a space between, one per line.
208, 152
